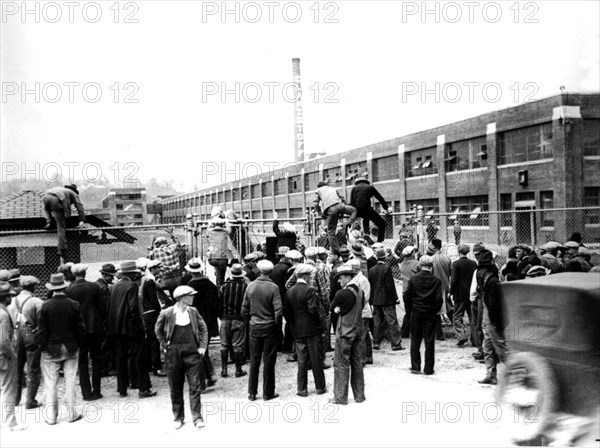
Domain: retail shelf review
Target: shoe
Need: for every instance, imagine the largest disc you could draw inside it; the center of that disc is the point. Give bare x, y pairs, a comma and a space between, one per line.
335, 401
302, 394
211, 382
488, 380
329, 349
91, 397
395, 349
122, 394
272, 397
415, 372
481, 361
134, 386
199, 423
97, 396
252, 397
178, 424
147, 394
326, 366
240, 373
479, 356
359, 400
369, 361
375, 347
19, 427
33, 405
441, 338
461, 342
224, 374
429, 373
76, 419
321, 391
159, 373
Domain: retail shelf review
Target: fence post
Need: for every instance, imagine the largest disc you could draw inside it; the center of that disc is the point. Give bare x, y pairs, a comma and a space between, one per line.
532, 225
189, 238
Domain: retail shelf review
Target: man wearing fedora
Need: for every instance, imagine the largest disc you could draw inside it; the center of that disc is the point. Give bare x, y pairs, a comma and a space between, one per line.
125, 324
168, 254
424, 297
384, 298
262, 306
57, 203
303, 310
61, 333
104, 282
206, 301
233, 329
183, 336
361, 198
8, 361
348, 304
89, 297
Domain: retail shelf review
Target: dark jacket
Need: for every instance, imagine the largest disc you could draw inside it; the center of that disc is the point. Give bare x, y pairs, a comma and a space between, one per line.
280, 276
462, 275
284, 238
424, 293
248, 269
67, 198
150, 300
262, 303
206, 301
361, 195
104, 293
383, 289
302, 310
125, 310
7, 340
60, 323
166, 324
350, 323
89, 297
493, 297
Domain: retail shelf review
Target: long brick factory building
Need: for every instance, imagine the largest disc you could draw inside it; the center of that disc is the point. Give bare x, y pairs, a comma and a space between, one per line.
541, 155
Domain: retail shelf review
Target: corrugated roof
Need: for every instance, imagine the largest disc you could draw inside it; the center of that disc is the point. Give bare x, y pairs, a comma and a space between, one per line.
26, 204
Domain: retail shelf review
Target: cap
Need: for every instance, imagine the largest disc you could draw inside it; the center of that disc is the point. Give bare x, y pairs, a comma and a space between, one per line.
79, 268
345, 269
478, 248
6, 290
153, 264
108, 269
464, 249
29, 280
282, 250
380, 253
160, 241
344, 251
426, 260
304, 269
315, 250
194, 265
264, 266
251, 257
129, 266
182, 291
294, 255
57, 281
571, 245
236, 270
216, 211
408, 250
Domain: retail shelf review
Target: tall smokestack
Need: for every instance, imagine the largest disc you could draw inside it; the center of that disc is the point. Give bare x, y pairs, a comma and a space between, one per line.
298, 118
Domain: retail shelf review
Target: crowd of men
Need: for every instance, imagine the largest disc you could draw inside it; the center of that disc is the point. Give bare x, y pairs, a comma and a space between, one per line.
154, 317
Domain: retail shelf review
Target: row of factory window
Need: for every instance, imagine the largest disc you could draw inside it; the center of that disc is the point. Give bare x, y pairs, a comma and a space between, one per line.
516, 146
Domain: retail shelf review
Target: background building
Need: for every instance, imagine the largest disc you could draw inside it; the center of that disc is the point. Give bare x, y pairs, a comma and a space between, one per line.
537, 156
127, 206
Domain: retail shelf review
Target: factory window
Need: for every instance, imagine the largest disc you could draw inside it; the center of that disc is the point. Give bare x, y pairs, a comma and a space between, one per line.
296, 213
421, 162
256, 214
466, 154
334, 175
311, 180
469, 210
236, 194
245, 192
267, 189
591, 138
255, 191
385, 168
430, 206
294, 184
547, 202
526, 144
355, 170
227, 195
279, 187
282, 213
506, 204
591, 198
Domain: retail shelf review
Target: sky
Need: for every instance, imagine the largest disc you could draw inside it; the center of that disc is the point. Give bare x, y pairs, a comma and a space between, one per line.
196, 92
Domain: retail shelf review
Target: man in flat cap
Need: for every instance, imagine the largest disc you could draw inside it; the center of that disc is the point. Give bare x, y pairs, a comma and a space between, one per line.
168, 254
262, 305
424, 294
303, 311
57, 203
8, 361
548, 253
460, 285
26, 307
89, 297
574, 259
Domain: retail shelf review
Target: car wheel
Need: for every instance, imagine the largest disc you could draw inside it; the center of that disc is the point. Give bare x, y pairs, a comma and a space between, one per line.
527, 388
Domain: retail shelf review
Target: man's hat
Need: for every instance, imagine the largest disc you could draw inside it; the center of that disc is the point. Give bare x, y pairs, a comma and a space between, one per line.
345, 270
380, 253
73, 188
66, 267
57, 281
571, 245
216, 211
194, 265
160, 241
363, 180
182, 291
282, 250
142, 263
294, 255
236, 270
355, 263
251, 257
6, 290
129, 267
29, 280
357, 249
4, 275
550, 245
314, 250
524, 247
108, 269
260, 254
464, 249
322, 183
426, 260
408, 250
304, 269
153, 263
344, 251
264, 266
10, 275
79, 268
537, 271
478, 248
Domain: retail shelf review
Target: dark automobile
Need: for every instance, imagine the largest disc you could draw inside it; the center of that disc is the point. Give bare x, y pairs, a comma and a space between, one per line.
552, 375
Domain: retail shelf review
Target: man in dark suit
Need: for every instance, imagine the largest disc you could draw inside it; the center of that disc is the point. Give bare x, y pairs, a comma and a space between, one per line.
361, 198
462, 275
384, 298
89, 297
61, 332
302, 309
105, 282
424, 296
126, 326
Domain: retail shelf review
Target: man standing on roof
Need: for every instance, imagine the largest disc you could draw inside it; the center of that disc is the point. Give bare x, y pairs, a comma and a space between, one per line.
57, 204
360, 198
332, 205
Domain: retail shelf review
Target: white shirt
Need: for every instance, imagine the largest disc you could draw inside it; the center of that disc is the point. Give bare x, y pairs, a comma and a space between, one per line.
182, 318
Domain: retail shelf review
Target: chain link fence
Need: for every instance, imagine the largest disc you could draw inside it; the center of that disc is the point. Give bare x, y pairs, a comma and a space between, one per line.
34, 252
